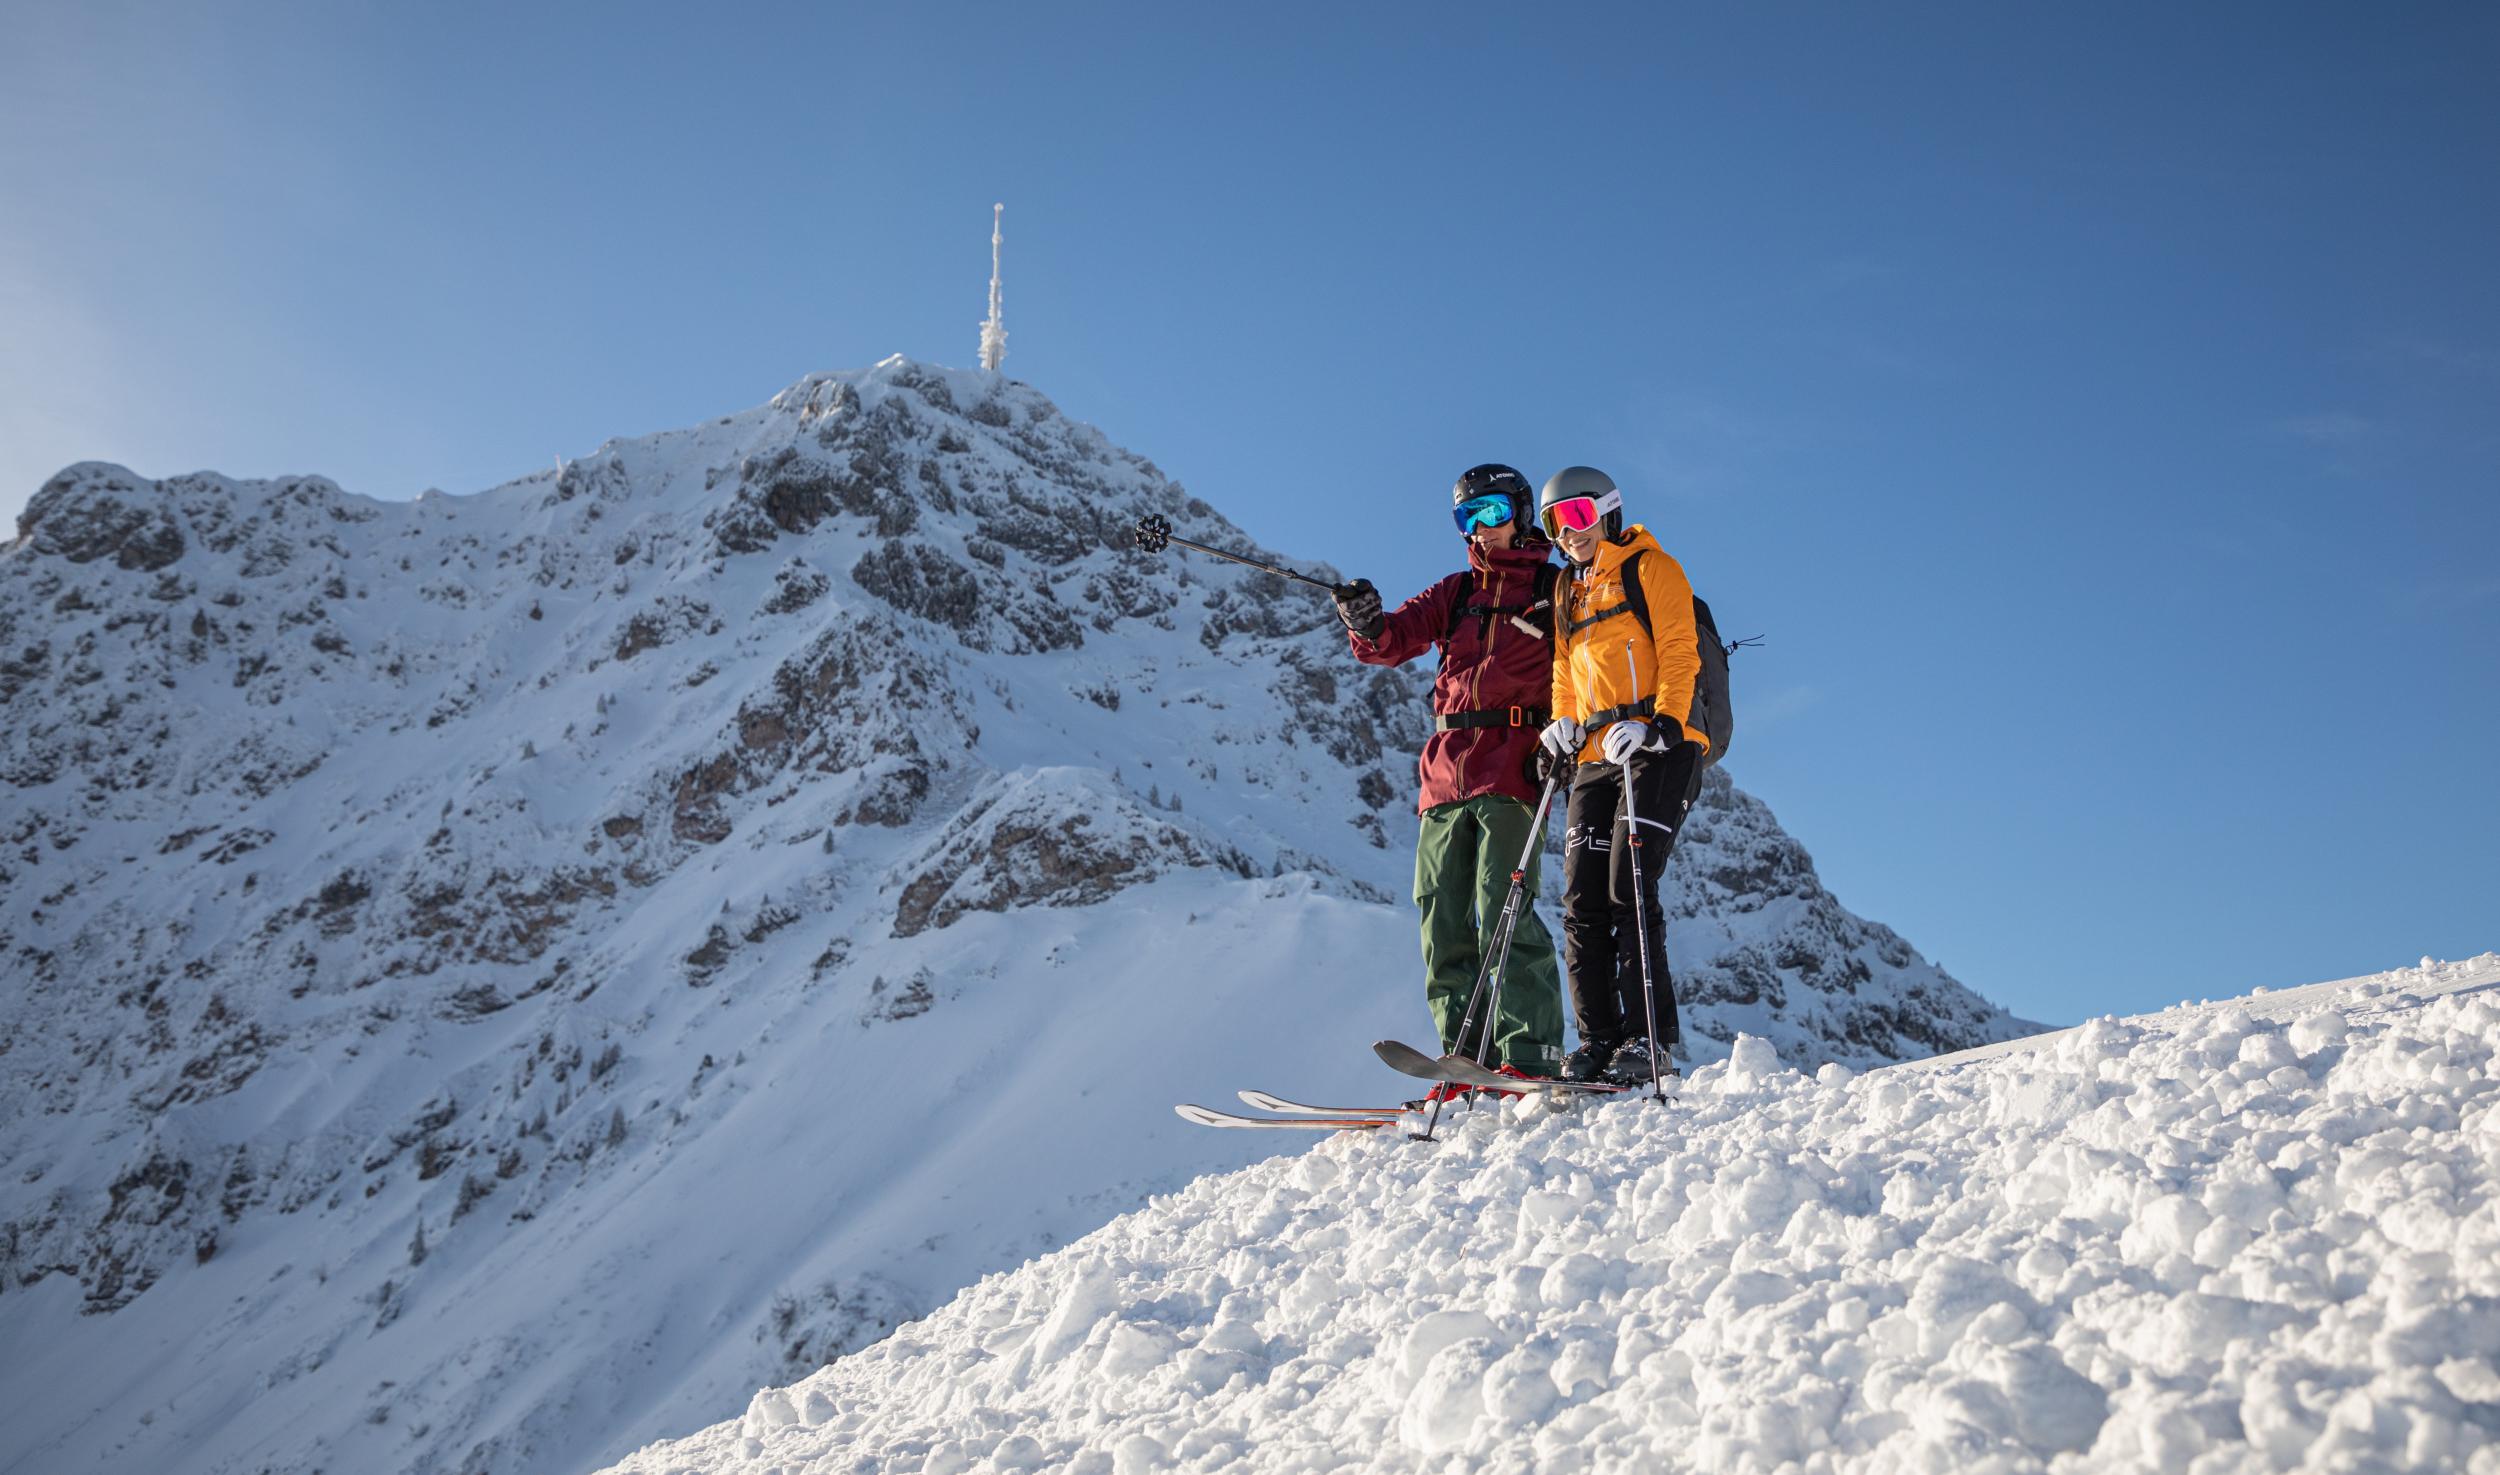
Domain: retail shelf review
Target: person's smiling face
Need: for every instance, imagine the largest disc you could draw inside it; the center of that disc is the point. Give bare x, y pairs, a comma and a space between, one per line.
1580, 544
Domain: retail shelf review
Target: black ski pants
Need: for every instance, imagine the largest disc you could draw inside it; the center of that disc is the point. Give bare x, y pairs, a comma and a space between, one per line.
1601, 929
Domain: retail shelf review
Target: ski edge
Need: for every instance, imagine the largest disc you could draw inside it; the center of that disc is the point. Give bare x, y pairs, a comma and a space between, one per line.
1269, 1101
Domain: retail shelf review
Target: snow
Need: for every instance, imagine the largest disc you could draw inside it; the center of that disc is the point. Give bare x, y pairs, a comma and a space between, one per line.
2260, 1234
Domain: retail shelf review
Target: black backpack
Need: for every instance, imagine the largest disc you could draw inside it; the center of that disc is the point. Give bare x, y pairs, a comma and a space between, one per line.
1711, 710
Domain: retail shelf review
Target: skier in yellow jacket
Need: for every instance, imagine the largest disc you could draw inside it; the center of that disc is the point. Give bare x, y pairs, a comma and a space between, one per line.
1627, 664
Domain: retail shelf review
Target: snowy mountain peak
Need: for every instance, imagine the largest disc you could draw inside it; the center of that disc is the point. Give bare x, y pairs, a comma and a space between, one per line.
418, 913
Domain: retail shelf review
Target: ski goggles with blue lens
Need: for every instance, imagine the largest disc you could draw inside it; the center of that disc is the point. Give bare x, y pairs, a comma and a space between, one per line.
1481, 512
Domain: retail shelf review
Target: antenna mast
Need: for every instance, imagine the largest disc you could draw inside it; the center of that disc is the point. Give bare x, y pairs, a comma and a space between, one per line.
994, 331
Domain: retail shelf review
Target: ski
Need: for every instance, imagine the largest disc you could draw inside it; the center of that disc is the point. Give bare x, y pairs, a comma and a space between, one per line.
1459, 1070
1266, 1102
1209, 1117
1405, 1058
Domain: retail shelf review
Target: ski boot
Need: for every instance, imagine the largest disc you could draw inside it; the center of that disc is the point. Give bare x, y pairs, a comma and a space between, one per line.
1631, 1063
1588, 1063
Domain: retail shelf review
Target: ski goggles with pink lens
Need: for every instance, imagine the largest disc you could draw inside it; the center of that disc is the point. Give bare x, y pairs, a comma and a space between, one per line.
1482, 512
1580, 514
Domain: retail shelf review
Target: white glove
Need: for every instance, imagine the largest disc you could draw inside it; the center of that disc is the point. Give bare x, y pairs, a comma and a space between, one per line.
1562, 738
1626, 738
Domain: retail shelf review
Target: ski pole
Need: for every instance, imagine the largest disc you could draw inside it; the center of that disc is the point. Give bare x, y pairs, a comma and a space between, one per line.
1154, 534
1509, 928
1497, 957
1640, 898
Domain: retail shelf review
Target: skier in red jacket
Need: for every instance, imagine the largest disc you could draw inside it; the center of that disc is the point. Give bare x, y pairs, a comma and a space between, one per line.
1493, 624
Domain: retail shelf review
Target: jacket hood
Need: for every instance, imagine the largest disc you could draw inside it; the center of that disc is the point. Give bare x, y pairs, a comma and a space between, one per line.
1611, 553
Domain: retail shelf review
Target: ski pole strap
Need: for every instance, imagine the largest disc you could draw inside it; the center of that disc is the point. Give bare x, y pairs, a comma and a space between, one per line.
1645, 707
1491, 717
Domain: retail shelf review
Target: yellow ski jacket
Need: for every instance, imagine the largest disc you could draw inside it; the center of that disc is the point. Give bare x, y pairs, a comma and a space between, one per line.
1592, 680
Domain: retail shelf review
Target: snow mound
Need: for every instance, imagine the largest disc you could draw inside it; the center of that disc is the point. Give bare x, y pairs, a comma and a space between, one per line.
2259, 1235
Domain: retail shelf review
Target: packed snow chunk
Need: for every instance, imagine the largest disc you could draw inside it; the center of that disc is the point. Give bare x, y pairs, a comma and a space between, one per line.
2167, 1226
1236, 1328
2177, 1335
1094, 1295
1426, 1338
2429, 1332
2221, 1031
2152, 1430
1583, 1366
2473, 1379
1317, 1172
1132, 1350
1757, 1194
2277, 1415
770, 1409
2099, 1040
1543, 1208
1140, 1454
1963, 1412
1752, 1063
1951, 1294
2054, 1408
1577, 1279
2244, 1194
1311, 1294
2263, 1054
2315, 1032
1442, 1410
2043, 1101
1519, 1388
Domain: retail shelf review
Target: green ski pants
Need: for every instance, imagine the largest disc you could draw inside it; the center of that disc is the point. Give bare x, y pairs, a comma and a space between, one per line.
1462, 875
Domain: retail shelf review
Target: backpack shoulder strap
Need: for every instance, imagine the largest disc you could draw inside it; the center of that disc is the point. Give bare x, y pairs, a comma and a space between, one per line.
1632, 593
1458, 604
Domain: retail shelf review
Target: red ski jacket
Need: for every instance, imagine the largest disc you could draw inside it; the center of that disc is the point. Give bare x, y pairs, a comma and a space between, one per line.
1497, 672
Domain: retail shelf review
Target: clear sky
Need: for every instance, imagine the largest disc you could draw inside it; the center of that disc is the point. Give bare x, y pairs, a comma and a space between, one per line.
2097, 407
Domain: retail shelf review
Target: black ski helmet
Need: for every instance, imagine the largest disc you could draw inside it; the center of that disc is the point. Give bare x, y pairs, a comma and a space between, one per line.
1582, 481
1493, 479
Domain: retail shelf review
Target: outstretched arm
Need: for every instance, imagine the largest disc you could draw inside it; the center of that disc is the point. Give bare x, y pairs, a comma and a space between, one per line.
1412, 628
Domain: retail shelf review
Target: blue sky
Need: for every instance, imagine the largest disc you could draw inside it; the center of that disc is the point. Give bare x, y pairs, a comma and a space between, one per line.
2098, 411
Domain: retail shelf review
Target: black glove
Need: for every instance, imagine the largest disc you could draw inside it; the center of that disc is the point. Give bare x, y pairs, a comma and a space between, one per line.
1358, 604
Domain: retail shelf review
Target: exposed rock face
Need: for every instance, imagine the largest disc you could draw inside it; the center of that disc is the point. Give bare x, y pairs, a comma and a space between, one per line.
372, 872
1059, 837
